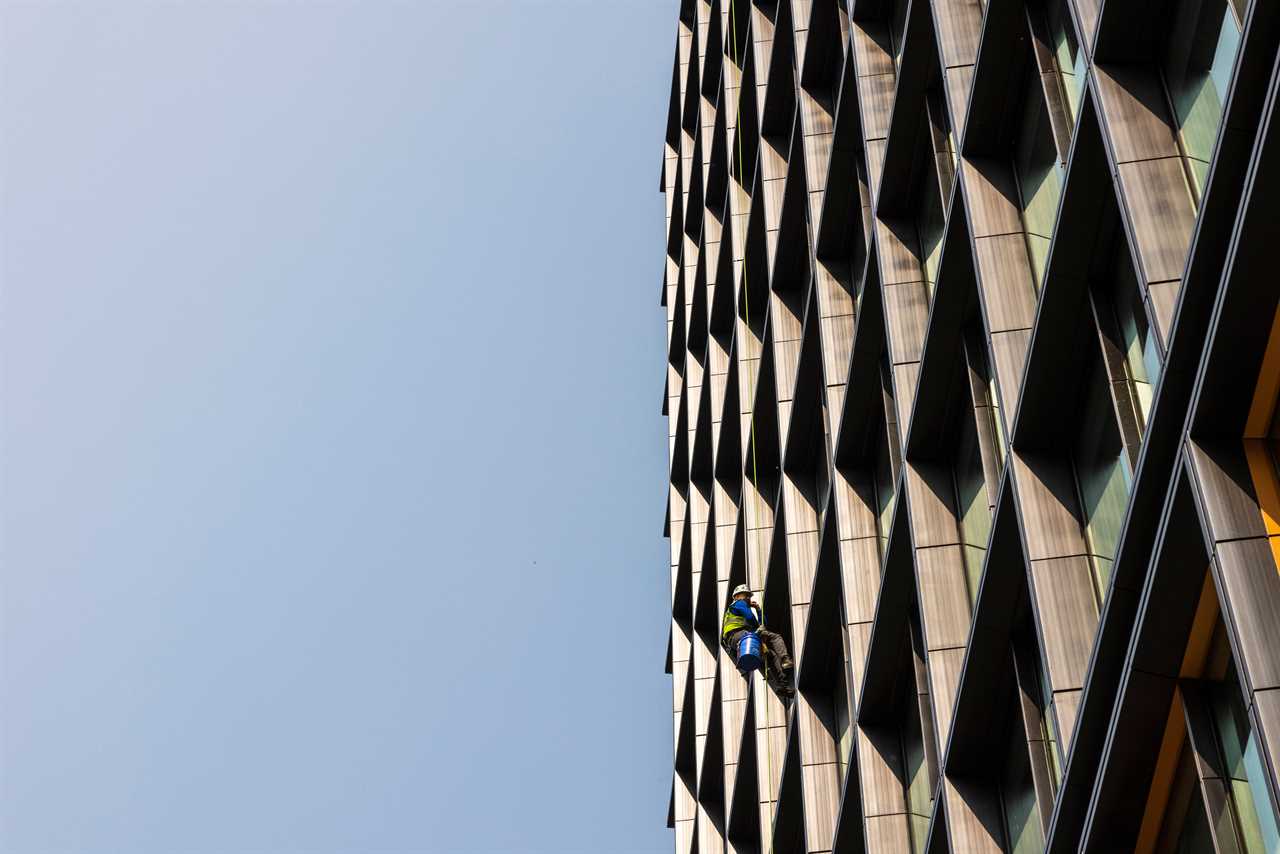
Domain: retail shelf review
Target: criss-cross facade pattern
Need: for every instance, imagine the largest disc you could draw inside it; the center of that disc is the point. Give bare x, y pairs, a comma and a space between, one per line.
972, 376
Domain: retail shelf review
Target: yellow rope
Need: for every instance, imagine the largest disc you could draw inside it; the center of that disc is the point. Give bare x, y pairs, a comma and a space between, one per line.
755, 469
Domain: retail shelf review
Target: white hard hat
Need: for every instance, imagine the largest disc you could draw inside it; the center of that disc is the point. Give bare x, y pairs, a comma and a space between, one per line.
741, 588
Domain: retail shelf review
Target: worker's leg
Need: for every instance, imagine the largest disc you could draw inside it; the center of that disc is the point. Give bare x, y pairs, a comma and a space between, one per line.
730, 644
778, 657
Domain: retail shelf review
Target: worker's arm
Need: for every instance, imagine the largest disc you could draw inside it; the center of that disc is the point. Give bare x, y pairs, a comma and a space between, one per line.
743, 609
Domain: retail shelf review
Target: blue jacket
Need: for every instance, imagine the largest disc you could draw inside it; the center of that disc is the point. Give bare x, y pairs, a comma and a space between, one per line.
739, 616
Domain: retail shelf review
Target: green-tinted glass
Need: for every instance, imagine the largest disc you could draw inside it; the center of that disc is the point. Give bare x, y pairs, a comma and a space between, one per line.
1038, 251
929, 225
985, 387
1055, 746
916, 773
1070, 58
972, 509
1238, 749
884, 490
1195, 837
1268, 827
887, 459
1048, 715
1039, 174
1184, 827
948, 136
1142, 358
1018, 792
997, 417
1200, 51
843, 722
1102, 475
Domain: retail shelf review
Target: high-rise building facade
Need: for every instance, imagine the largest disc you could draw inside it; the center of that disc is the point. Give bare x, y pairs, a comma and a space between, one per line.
972, 377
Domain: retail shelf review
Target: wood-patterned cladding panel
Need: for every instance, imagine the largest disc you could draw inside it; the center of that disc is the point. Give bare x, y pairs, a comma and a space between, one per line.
959, 83
1068, 616
1251, 593
880, 764
805, 413
1004, 272
945, 666
1162, 213
974, 819
860, 565
1135, 112
944, 603
991, 192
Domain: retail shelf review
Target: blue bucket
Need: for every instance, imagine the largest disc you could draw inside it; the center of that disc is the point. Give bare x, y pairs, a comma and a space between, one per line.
750, 653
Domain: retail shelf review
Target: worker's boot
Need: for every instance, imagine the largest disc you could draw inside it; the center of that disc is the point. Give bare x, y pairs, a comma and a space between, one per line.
782, 681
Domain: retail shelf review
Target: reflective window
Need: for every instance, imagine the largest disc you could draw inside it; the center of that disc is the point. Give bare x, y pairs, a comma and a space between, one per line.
884, 491
929, 227
984, 385
1219, 752
843, 721
916, 779
972, 509
1137, 344
1035, 160
1102, 474
886, 461
944, 141
1242, 767
1049, 724
1018, 794
1039, 694
919, 752
898, 29
1067, 54
1185, 829
1200, 50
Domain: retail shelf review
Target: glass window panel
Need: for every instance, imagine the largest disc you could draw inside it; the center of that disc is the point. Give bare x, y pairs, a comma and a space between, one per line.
1018, 795
898, 29
995, 422
973, 511
886, 459
1141, 356
1203, 38
945, 143
1067, 53
1051, 737
1268, 829
1238, 748
973, 557
1030, 650
1184, 827
884, 490
917, 786
1195, 837
987, 404
917, 777
1199, 173
1039, 173
1038, 251
1102, 476
843, 722
929, 226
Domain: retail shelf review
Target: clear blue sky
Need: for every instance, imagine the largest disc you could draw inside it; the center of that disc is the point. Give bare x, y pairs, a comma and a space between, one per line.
331, 462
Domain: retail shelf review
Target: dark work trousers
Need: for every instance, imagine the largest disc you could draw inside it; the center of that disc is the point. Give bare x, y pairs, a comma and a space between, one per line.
775, 646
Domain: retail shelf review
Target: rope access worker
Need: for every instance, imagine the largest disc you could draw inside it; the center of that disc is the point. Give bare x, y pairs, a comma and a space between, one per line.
742, 616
